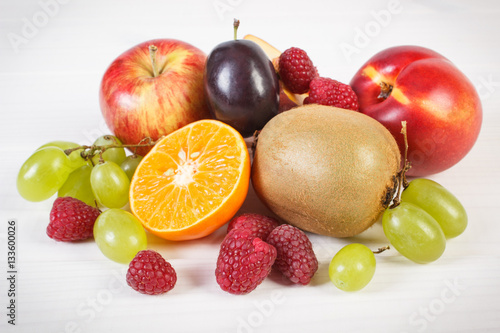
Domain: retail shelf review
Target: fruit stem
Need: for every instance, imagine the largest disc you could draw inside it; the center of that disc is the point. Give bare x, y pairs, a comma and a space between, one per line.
402, 182
101, 159
236, 24
382, 249
152, 55
385, 90
255, 138
89, 151
97, 205
405, 136
149, 142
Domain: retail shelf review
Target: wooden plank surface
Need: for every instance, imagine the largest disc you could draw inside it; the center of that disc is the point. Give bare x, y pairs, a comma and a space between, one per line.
53, 54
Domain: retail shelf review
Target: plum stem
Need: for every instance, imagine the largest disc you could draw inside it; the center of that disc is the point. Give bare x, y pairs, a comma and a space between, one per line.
236, 24
402, 182
385, 90
152, 56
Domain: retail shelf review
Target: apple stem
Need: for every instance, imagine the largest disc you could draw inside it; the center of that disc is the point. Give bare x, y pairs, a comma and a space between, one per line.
385, 90
402, 182
236, 24
152, 55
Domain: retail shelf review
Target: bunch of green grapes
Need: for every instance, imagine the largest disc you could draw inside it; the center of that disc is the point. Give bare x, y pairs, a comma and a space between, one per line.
420, 222
417, 226
422, 216
99, 173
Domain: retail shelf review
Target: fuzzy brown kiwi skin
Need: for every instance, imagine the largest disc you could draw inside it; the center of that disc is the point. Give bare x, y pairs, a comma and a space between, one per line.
292, 169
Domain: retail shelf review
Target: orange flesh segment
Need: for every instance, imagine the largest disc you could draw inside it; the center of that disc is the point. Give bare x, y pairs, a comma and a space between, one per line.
188, 175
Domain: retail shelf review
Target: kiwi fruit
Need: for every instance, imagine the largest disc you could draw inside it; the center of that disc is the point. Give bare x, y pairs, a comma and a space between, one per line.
326, 170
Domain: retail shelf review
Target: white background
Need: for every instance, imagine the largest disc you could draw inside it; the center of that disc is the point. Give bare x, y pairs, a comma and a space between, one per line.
49, 91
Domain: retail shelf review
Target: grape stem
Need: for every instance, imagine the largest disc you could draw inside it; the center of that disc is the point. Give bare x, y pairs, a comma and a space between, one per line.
146, 141
101, 159
97, 206
90, 151
401, 179
382, 249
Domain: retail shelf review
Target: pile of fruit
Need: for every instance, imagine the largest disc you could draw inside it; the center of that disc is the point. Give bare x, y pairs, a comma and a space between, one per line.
327, 157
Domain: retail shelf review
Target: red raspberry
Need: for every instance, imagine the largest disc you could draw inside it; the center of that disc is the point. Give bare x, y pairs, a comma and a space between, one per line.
148, 273
71, 220
296, 259
327, 91
244, 262
259, 225
296, 70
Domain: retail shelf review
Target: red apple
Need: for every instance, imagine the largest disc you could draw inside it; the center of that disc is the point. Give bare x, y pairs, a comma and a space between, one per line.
151, 92
441, 106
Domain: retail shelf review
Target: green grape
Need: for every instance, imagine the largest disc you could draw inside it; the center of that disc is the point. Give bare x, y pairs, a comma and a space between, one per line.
60, 144
78, 186
414, 233
43, 174
116, 155
440, 203
119, 235
75, 158
352, 268
110, 185
130, 164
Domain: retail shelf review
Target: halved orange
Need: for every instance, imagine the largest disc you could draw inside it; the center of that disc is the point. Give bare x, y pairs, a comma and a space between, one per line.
192, 182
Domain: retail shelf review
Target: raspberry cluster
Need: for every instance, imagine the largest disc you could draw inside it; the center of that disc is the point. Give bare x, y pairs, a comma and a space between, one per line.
299, 76
259, 225
296, 259
296, 70
254, 245
244, 262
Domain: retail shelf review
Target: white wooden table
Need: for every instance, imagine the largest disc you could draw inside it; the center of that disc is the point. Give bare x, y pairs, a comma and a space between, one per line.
52, 57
